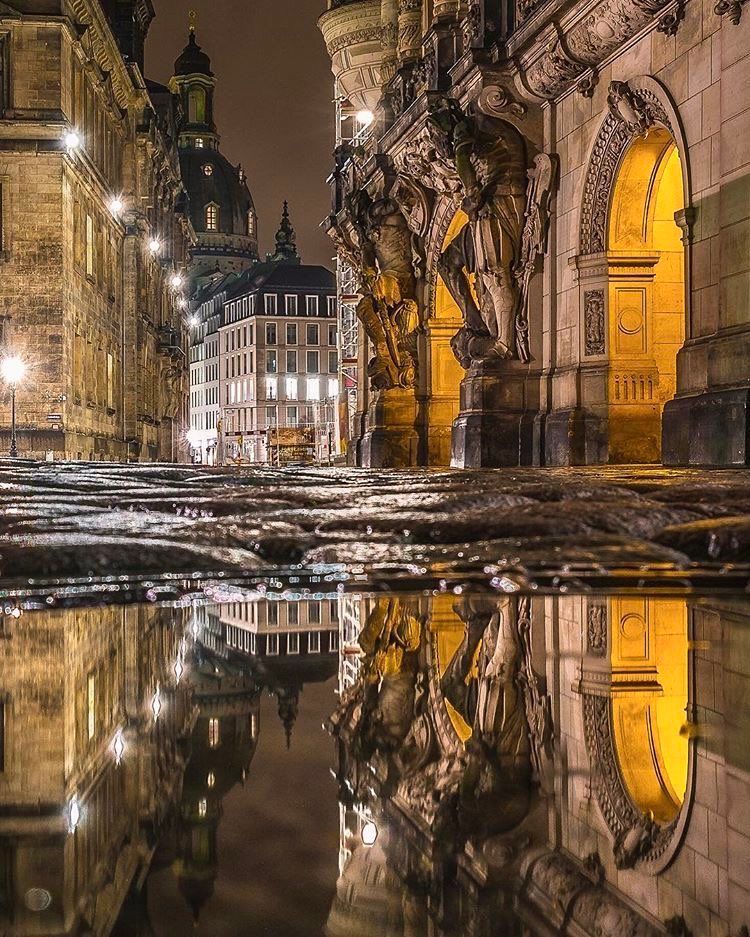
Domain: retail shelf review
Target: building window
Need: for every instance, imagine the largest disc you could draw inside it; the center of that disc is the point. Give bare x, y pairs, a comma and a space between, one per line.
292, 418
250, 224
90, 706
212, 217
89, 246
291, 362
333, 640
214, 733
333, 610
270, 331
313, 362
291, 388
292, 613
270, 301
333, 335
273, 613
199, 143
197, 106
311, 305
313, 613
313, 388
333, 387
271, 388
313, 642
313, 334
271, 362
272, 644
291, 332
270, 416
290, 306
333, 362
208, 170
331, 305
292, 643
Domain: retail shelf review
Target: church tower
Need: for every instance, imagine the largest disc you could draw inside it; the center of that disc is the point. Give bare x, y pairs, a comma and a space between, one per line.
221, 206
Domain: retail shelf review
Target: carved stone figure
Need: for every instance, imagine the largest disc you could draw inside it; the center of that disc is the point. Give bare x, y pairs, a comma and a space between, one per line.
384, 256
478, 267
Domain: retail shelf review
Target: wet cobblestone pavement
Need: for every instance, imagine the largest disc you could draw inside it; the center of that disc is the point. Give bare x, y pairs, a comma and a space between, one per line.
90, 520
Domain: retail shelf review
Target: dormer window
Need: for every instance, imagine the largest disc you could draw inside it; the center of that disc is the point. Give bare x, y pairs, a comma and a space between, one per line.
212, 217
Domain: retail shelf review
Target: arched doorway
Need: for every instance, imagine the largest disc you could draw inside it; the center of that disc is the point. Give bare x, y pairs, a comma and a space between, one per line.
445, 373
645, 295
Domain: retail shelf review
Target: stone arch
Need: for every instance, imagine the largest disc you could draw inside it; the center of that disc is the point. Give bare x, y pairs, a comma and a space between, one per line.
637, 840
633, 290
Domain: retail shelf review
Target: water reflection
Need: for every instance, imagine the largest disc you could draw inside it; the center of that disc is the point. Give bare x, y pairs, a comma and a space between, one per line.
505, 765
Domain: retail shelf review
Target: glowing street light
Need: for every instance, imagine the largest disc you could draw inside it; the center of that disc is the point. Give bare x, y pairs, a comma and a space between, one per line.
116, 206
365, 117
176, 281
156, 703
72, 141
369, 833
74, 814
118, 747
194, 322
154, 245
12, 369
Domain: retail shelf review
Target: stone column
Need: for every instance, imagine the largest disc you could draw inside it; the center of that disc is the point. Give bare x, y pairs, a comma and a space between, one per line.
389, 39
444, 10
391, 439
409, 30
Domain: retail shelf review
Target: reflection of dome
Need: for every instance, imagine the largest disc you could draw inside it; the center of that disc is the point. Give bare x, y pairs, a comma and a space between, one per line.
192, 60
196, 889
211, 179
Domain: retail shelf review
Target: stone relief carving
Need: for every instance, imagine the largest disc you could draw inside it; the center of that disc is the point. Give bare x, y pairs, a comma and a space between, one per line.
669, 22
381, 247
497, 101
550, 74
596, 630
628, 106
594, 319
537, 702
615, 135
732, 9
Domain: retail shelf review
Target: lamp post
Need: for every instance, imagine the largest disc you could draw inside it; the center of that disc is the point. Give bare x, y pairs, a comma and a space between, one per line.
12, 369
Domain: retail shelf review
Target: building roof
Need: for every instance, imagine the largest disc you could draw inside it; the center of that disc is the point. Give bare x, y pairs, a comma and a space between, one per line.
224, 185
192, 60
282, 276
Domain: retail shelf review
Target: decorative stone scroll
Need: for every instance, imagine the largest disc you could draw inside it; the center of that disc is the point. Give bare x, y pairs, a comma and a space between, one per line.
732, 9
594, 319
632, 111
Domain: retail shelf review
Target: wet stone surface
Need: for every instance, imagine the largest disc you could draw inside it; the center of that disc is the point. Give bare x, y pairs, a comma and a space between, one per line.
82, 520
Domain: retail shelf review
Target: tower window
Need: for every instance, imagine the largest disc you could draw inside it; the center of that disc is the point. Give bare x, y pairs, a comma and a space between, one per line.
212, 217
199, 143
251, 224
197, 106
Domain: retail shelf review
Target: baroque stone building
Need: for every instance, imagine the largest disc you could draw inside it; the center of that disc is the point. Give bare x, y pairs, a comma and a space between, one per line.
549, 223
93, 233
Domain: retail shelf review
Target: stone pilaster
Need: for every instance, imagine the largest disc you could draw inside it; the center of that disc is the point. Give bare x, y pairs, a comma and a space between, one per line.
390, 439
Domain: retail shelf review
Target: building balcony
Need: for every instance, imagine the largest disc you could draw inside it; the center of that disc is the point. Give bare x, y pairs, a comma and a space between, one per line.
352, 34
169, 342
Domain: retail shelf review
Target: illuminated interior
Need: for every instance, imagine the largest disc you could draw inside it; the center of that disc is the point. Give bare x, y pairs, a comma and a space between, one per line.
649, 657
448, 631
646, 295
445, 372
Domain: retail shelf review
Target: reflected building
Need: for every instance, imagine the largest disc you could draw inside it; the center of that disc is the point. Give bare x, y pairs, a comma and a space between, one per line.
90, 761
545, 765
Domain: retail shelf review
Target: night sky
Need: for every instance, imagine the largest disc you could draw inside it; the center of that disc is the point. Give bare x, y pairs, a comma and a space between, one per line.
273, 102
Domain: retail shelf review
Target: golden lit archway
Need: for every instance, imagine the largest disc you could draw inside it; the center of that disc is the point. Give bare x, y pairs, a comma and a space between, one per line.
646, 295
445, 373
649, 659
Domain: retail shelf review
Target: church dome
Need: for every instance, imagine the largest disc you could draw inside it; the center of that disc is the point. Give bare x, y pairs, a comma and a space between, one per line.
193, 60
220, 201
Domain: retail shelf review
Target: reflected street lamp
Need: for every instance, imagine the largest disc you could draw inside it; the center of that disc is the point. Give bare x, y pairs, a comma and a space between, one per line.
12, 370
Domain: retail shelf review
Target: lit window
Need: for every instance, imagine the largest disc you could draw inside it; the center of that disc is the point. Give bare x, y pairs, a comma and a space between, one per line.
251, 224
212, 217
197, 106
333, 387
91, 705
291, 388
199, 143
202, 807
214, 733
313, 388
271, 388
271, 365
89, 246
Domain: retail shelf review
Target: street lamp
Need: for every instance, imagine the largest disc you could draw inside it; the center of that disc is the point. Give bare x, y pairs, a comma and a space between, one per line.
13, 370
